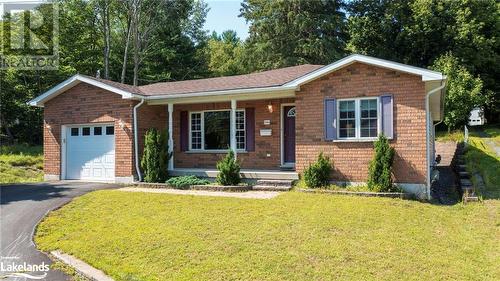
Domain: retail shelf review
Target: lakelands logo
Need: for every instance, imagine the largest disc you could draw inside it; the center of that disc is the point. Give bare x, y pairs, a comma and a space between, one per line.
29, 32
20, 270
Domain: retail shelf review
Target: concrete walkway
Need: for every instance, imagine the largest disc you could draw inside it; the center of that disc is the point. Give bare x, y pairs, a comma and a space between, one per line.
246, 195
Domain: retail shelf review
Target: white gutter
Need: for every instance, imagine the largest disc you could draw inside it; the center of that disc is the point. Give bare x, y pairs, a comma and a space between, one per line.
136, 144
221, 92
429, 123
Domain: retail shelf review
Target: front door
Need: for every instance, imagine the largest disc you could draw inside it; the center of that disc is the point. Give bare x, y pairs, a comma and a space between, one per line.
289, 134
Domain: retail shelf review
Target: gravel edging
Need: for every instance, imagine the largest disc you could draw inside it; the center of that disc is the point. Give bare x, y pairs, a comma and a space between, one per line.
81, 267
401, 195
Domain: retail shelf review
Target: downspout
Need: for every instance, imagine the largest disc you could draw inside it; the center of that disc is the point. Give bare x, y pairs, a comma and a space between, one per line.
428, 126
136, 144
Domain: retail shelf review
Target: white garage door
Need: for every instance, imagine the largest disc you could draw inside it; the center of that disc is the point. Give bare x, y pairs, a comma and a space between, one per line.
90, 152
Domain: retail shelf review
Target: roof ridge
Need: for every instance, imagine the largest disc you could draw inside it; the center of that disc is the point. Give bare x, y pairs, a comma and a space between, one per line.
237, 75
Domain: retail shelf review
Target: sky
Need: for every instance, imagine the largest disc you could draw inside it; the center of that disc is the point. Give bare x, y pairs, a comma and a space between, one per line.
223, 15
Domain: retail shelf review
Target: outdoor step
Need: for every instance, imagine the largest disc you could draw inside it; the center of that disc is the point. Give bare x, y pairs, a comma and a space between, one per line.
465, 183
275, 182
468, 189
464, 174
271, 188
462, 167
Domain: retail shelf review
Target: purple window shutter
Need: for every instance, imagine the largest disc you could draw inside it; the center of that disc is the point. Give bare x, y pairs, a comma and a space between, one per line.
330, 122
250, 128
387, 115
184, 131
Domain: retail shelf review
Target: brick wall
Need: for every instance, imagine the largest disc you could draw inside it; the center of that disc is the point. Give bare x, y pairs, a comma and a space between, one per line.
150, 116
85, 104
351, 159
88, 104
264, 145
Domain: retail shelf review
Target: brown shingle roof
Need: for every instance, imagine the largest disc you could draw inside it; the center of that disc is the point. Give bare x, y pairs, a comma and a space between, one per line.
270, 78
118, 85
276, 77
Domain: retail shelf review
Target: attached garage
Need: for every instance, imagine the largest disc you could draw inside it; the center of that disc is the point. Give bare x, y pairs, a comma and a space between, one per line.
90, 152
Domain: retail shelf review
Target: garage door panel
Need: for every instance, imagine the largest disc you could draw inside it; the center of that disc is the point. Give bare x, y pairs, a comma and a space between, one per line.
90, 157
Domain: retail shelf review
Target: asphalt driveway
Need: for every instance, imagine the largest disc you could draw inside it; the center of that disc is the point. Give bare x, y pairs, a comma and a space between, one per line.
22, 207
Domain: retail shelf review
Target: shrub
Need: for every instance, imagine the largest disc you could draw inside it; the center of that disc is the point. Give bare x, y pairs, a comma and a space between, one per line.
184, 182
229, 170
379, 172
155, 157
318, 173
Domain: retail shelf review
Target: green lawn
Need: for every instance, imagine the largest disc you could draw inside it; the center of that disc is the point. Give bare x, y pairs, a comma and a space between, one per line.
482, 159
21, 163
296, 236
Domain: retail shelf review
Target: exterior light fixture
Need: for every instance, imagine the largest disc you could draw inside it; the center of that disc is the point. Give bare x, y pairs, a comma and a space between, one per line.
270, 108
121, 124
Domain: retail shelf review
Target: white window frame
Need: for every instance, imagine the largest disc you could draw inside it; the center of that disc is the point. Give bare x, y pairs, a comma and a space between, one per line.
202, 149
357, 116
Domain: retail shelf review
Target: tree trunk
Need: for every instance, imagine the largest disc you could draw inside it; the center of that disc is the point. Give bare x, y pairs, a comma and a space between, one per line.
137, 43
125, 53
107, 39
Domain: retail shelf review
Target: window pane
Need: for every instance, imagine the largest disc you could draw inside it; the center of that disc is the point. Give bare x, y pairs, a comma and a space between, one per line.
347, 119
74, 131
368, 118
97, 131
196, 131
110, 130
240, 130
86, 131
216, 130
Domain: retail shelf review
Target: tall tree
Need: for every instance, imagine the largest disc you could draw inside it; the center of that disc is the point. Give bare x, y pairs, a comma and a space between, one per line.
464, 91
417, 32
103, 7
284, 33
225, 54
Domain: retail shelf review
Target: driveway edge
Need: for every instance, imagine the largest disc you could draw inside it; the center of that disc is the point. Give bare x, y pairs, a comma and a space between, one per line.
81, 267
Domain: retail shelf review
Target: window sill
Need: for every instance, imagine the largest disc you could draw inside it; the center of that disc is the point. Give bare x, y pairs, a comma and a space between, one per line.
357, 140
213, 151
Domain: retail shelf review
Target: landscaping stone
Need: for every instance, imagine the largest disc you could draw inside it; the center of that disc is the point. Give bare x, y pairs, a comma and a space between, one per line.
273, 185
271, 188
362, 193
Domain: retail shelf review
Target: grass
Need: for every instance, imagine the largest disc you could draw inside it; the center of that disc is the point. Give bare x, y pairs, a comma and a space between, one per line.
456, 136
296, 236
482, 159
21, 163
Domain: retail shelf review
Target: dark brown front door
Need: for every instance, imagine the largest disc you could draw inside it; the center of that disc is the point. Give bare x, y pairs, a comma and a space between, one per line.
289, 134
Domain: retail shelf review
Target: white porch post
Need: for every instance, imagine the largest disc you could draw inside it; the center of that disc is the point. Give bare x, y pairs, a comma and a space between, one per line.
170, 136
233, 127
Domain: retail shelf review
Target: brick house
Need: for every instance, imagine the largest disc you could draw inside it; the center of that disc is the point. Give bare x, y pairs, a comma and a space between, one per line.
276, 121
